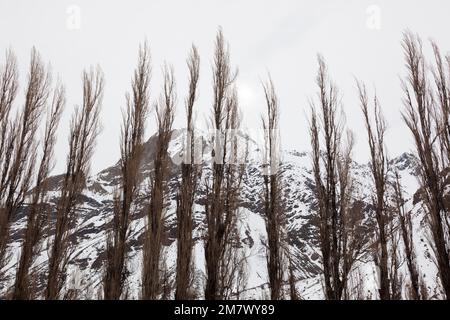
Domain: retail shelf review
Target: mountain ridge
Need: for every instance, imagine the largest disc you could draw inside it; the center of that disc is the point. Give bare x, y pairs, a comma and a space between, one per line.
95, 209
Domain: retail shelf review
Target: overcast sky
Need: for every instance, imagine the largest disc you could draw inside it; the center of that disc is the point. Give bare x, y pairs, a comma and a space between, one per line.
357, 38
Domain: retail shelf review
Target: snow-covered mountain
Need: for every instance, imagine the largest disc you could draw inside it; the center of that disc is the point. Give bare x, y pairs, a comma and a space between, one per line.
89, 238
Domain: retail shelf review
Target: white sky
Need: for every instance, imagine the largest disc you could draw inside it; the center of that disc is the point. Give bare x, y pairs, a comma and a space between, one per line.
282, 37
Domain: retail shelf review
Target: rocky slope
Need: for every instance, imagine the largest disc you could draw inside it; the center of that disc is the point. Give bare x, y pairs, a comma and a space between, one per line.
88, 241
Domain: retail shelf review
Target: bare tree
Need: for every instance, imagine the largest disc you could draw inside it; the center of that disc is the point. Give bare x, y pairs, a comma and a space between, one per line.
84, 129
8, 87
340, 236
428, 124
406, 230
379, 169
186, 196
131, 151
37, 210
350, 231
231, 266
441, 76
19, 139
223, 186
165, 109
273, 210
441, 72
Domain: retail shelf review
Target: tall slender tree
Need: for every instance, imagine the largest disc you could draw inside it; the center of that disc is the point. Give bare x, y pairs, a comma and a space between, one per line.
8, 91
223, 186
273, 209
232, 269
379, 169
19, 138
84, 129
428, 123
131, 151
406, 230
186, 196
37, 210
165, 110
338, 220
